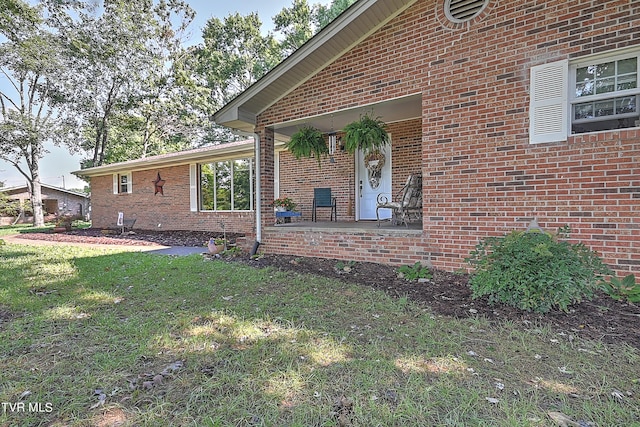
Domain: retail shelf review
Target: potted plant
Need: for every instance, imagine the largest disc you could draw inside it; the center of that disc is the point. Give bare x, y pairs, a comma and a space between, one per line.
63, 223
216, 245
307, 142
284, 204
366, 134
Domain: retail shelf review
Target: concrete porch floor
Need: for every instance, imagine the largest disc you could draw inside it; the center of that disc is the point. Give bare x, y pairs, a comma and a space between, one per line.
370, 226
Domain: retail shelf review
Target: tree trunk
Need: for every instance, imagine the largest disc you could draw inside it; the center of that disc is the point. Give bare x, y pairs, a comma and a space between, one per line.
103, 142
96, 147
145, 138
36, 199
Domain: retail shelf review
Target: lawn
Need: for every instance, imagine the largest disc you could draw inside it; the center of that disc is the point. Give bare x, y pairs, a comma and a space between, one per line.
108, 338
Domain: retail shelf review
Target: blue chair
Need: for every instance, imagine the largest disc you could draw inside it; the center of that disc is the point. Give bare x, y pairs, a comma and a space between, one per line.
322, 199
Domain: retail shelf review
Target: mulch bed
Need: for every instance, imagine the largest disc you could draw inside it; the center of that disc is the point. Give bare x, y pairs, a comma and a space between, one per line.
447, 294
134, 238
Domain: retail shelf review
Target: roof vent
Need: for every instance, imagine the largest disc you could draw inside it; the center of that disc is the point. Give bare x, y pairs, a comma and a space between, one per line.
463, 10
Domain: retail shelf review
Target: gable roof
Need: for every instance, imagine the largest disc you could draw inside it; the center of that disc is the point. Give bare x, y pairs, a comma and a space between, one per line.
356, 23
21, 188
225, 151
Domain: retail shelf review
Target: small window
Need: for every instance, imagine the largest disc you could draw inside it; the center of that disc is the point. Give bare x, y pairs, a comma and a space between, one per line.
605, 94
122, 183
463, 10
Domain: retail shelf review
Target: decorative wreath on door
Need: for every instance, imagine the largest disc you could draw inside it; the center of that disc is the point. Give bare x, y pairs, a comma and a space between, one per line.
374, 162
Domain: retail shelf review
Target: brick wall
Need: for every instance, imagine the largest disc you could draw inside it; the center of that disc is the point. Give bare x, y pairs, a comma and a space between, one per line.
481, 175
170, 211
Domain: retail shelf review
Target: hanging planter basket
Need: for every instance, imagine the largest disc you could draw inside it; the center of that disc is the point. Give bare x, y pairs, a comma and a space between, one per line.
366, 134
307, 142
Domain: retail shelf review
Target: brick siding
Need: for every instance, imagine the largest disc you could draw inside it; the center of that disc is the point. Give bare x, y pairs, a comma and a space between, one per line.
170, 211
480, 174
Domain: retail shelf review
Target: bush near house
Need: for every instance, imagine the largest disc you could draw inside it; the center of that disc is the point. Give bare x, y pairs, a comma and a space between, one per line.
535, 271
8, 207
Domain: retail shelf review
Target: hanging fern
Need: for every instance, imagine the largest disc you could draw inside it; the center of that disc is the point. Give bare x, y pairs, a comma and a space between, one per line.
307, 142
365, 134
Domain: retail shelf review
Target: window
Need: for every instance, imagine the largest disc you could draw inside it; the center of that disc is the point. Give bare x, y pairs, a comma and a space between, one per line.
605, 94
589, 95
122, 183
225, 186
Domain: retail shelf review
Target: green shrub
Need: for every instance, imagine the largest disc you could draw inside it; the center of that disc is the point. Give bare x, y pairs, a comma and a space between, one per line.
415, 272
535, 271
8, 207
623, 289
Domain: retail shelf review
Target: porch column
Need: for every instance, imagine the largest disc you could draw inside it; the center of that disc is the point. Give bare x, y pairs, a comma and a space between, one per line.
267, 176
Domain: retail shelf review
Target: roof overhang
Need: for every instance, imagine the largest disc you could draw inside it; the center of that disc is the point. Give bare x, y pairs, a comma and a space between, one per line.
231, 150
50, 187
355, 24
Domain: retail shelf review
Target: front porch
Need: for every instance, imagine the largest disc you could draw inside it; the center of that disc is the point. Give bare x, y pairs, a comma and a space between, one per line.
356, 187
360, 241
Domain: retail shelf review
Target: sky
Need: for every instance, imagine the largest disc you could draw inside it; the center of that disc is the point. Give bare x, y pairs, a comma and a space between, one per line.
57, 165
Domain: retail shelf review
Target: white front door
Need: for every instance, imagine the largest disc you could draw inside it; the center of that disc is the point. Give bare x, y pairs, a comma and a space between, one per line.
374, 178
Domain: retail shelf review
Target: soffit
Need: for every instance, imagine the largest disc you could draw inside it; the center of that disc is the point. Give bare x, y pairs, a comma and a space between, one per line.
231, 150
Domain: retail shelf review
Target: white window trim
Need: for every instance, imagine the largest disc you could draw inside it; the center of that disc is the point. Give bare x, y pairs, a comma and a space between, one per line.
194, 176
196, 190
116, 183
573, 99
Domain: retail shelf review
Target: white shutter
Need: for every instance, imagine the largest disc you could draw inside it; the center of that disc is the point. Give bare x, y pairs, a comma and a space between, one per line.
548, 107
129, 183
193, 187
276, 174
115, 183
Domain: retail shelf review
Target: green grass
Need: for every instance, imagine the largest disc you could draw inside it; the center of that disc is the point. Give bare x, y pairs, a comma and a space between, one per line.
6, 230
87, 334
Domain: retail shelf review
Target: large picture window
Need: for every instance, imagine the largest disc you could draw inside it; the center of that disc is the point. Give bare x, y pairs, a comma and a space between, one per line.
226, 185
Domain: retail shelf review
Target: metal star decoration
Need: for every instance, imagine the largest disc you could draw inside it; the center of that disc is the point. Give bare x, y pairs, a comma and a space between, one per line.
159, 182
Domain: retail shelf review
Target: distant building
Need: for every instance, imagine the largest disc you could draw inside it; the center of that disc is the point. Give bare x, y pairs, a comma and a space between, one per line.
55, 201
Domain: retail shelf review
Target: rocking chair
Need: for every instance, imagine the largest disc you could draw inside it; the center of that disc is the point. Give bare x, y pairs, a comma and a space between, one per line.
407, 203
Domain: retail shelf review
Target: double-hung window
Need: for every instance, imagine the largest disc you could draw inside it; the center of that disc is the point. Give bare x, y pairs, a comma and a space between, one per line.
591, 94
122, 183
605, 94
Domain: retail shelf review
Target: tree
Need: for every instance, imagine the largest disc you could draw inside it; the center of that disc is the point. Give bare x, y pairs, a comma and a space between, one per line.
325, 14
234, 55
296, 25
15, 16
300, 22
8, 207
30, 63
118, 64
